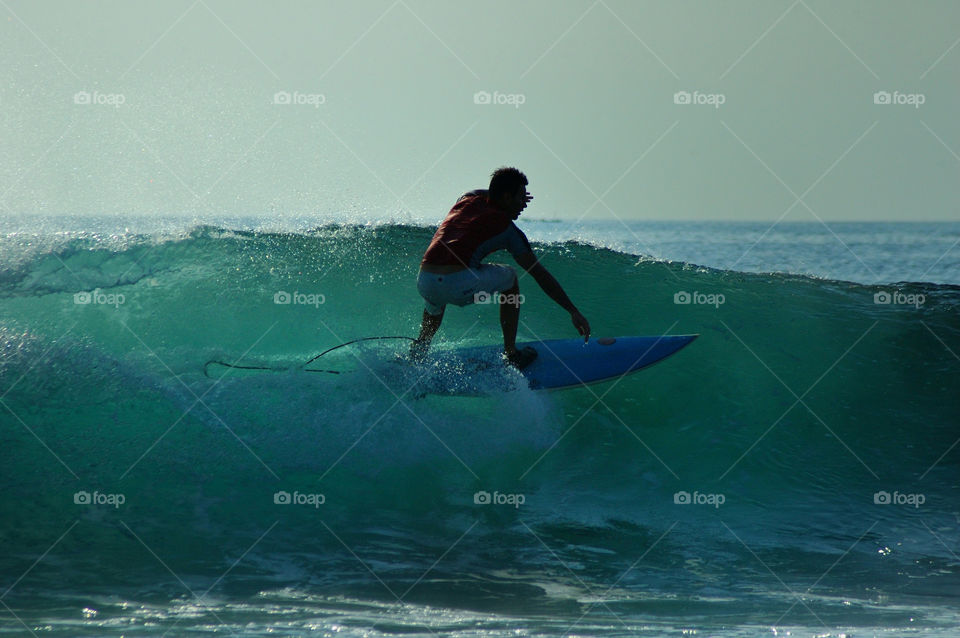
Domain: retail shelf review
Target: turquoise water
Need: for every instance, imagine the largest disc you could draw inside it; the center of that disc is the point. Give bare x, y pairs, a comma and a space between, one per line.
293, 503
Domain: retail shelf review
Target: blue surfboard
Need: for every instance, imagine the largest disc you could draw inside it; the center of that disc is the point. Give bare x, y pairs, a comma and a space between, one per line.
481, 370
561, 363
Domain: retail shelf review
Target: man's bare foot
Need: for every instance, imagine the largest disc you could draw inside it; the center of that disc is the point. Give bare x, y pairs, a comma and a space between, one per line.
418, 351
520, 359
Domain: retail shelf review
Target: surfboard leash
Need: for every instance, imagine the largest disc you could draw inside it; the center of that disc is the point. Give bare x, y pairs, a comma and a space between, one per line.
301, 367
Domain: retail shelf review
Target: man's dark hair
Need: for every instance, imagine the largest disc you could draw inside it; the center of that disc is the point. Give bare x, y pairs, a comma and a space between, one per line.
506, 180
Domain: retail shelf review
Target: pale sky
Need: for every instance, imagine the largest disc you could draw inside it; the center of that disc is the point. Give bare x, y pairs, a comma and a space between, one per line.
172, 108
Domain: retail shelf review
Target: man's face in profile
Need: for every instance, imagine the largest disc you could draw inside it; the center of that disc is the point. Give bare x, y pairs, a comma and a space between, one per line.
515, 203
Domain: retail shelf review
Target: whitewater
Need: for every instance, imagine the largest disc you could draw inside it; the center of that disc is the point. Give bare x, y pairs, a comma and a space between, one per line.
794, 471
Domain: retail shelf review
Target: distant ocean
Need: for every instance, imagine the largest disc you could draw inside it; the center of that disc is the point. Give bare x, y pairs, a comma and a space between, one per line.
864, 252
795, 471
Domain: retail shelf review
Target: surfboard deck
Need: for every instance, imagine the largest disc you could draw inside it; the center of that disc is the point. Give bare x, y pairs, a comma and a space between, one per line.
561, 363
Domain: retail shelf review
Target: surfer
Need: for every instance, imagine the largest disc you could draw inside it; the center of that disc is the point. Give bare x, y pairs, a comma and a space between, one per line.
480, 223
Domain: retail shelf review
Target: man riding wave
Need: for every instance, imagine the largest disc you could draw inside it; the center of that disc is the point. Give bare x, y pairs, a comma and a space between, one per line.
451, 271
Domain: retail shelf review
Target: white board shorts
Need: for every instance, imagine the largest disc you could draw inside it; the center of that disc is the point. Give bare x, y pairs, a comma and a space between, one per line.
462, 288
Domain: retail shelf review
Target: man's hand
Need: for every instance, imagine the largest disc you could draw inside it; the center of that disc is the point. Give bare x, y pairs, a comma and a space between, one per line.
581, 324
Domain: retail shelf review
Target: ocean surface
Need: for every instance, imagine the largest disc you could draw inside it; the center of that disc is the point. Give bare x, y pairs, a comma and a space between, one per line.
794, 471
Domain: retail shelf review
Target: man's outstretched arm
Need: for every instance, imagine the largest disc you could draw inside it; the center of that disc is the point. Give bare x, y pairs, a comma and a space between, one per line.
549, 284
